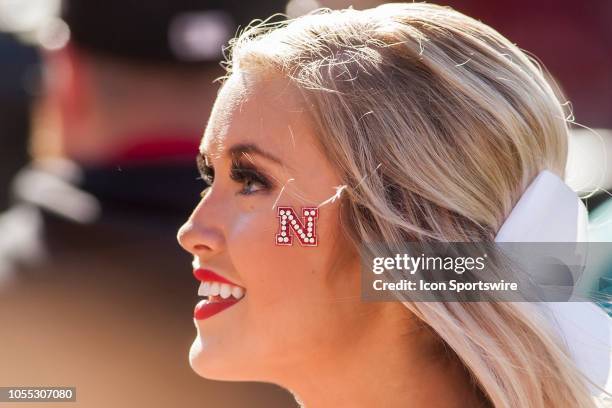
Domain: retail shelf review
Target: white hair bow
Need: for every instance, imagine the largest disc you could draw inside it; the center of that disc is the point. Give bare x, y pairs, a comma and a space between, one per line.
550, 211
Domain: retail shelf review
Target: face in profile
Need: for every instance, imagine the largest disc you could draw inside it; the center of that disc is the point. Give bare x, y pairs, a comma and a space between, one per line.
285, 306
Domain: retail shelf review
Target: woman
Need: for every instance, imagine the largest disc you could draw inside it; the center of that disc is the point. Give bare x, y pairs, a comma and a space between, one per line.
406, 122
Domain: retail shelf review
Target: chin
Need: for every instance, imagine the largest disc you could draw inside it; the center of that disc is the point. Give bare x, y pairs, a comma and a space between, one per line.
204, 362
215, 362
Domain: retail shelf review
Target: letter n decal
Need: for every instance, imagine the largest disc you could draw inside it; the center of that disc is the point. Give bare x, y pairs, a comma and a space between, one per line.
304, 228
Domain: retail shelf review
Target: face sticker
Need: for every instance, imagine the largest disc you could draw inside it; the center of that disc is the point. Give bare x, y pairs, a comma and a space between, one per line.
303, 227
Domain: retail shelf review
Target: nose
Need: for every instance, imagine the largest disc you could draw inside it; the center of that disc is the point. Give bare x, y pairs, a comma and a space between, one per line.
199, 236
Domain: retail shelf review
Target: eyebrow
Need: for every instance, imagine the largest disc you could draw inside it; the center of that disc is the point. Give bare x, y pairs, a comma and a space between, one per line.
248, 148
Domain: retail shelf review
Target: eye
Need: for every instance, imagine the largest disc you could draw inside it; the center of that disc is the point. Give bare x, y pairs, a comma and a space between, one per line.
207, 174
252, 180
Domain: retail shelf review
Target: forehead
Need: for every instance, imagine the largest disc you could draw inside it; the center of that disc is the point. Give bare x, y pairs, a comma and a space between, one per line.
271, 115
259, 110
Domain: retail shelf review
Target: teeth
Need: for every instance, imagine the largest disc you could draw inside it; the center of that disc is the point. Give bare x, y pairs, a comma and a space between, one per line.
214, 289
225, 291
204, 289
237, 292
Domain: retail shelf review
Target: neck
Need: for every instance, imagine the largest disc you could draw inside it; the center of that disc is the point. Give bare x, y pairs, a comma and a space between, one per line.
388, 367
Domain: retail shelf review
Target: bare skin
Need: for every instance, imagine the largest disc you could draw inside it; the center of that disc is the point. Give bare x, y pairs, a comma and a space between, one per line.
301, 324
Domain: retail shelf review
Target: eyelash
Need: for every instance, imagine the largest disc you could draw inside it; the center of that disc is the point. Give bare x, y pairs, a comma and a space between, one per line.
239, 173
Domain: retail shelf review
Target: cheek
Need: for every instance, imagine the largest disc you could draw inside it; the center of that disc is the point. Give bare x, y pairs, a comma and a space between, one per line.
280, 280
271, 273
295, 300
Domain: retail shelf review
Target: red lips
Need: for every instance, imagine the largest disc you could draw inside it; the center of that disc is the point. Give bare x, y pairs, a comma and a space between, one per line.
214, 304
206, 308
208, 275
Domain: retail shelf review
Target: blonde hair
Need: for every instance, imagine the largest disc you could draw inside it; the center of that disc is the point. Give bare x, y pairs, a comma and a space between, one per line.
437, 124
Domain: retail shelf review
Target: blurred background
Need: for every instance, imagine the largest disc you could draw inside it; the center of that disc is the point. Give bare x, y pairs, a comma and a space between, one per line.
102, 105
